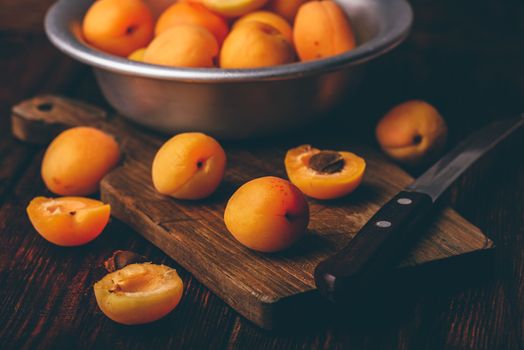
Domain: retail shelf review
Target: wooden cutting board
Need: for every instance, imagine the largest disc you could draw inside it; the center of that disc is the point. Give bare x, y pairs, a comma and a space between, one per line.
259, 286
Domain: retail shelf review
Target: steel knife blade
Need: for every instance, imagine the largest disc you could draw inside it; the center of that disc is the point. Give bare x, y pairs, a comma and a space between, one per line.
395, 225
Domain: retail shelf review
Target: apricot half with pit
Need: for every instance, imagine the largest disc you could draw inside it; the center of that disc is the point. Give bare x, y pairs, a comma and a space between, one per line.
189, 166
139, 293
411, 132
324, 174
68, 221
267, 214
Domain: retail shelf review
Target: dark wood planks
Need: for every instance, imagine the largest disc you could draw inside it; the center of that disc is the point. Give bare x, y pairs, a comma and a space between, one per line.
193, 233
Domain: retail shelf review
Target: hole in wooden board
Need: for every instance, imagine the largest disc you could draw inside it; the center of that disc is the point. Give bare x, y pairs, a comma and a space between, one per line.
45, 107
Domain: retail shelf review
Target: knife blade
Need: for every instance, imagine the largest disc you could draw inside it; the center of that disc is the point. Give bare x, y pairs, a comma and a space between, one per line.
401, 219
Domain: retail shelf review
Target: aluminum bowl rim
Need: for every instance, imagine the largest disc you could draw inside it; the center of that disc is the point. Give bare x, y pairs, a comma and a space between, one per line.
60, 33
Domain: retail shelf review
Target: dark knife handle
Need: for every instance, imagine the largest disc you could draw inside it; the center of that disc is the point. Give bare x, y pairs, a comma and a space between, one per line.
376, 245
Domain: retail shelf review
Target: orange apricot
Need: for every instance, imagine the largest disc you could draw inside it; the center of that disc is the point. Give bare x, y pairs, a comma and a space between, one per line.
192, 13
68, 221
137, 55
269, 18
189, 166
255, 44
77, 159
412, 131
286, 8
139, 293
118, 27
322, 29
267, 214
183, 46
324, 174
233, 8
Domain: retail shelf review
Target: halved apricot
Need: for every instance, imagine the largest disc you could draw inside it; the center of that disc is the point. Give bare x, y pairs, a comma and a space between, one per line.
139, 293
189, 166
324, 174
68, 221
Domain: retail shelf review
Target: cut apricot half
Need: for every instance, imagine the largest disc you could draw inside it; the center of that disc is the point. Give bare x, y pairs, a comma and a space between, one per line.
139, 293
324, 174
68, 221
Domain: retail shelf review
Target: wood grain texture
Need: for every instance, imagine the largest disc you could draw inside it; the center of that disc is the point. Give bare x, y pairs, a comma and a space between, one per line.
193, 233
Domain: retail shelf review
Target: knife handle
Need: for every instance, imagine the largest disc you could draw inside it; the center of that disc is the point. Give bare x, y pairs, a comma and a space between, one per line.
375, 246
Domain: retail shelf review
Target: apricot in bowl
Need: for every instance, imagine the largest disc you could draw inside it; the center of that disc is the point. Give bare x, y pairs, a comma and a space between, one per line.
68, 221
139, 293
324, 174
267, 214
189, 166
77, 159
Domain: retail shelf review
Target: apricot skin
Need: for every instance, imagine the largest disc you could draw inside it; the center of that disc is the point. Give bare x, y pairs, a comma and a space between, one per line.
68, 221
118, 27
183, 46
411, 132
286, 8
319, 185
77, 159
322, 29
268, 18
261, 45
189, 166
267, 214
131, 295
137, 55
192, 13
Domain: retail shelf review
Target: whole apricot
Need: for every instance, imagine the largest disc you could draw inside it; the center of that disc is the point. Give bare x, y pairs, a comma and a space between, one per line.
118, 27
324, 174
139, 293
68, 221
412, 131
233, 8
269, 18
286, 8
77, 159
183, 46
267, 214
189, 166
255, 44
322, 29
192, 13
137, 55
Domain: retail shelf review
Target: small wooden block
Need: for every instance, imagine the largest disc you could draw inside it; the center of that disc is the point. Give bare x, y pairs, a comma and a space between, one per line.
193, 233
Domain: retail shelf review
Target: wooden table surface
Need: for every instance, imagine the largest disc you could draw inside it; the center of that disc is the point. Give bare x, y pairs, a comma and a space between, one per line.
467, 61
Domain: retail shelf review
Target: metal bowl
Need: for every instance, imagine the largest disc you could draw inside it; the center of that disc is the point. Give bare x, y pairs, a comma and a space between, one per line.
231, 103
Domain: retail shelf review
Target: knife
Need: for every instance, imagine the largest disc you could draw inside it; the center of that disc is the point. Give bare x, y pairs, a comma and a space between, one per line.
394, 226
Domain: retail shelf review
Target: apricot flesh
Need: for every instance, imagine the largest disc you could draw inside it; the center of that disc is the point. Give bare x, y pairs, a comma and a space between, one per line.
324, 174
68, 221
195, 14
268, 18
139, 293
267, 214
183, 46
118, 27
321, 30
260, 45
233, 8
77, 159
412, 131
189, 166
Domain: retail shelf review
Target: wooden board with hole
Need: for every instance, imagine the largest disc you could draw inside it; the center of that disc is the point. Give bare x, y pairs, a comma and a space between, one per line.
258, 286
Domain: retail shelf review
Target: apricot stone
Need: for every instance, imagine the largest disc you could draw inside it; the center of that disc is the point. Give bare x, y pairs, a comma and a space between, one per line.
322, 29
118, 27
183, 46
267, 214
255, 44
189, 166
77, 159
411, 132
